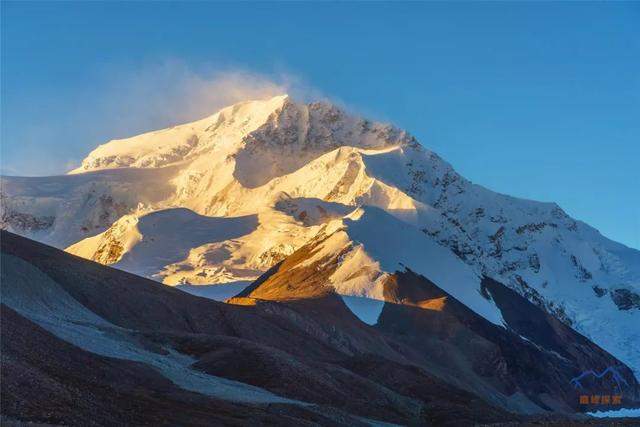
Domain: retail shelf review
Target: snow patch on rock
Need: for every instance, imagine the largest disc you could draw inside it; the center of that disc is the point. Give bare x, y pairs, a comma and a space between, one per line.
366, 309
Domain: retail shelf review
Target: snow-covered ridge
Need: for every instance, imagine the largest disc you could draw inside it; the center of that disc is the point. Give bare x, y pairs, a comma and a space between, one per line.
295, 168
163, 147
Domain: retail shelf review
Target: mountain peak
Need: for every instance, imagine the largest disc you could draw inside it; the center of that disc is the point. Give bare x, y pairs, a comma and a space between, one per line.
276, 126
182, 142
281, 98
255, 106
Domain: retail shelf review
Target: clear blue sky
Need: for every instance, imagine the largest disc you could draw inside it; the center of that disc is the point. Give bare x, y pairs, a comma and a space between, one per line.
537, 100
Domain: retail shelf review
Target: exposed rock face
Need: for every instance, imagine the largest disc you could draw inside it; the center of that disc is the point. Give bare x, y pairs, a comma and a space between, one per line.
625, 299
25, 223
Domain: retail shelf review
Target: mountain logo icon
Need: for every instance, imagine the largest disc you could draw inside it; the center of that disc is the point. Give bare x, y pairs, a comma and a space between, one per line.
615, 374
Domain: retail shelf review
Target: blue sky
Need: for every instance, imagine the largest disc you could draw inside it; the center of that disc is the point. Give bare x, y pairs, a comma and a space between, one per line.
537, 100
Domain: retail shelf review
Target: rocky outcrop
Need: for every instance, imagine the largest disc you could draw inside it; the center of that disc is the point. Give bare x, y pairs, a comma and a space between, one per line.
24, 222
625, 299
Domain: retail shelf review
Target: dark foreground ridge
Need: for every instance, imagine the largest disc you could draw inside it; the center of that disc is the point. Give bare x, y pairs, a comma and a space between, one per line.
85, 344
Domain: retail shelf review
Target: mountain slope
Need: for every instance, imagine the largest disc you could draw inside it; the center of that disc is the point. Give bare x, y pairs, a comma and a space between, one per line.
525, 364
86, 344
293, 168
83, 343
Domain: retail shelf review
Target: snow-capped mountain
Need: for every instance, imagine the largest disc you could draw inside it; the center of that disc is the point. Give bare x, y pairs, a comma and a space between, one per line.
224, 198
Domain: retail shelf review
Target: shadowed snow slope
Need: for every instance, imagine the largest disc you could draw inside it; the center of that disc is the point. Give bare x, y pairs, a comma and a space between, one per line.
366, 309
219, 292
280, 171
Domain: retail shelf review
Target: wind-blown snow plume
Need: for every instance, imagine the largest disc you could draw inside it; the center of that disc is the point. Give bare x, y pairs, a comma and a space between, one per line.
171, 92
